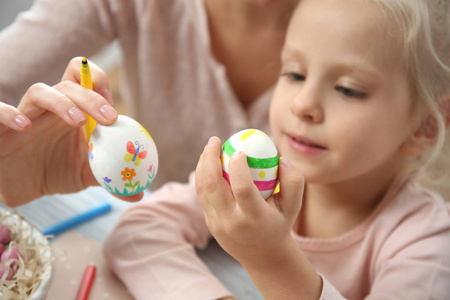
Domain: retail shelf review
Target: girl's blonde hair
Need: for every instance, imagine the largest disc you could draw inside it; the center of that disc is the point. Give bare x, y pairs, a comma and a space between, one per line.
425, 25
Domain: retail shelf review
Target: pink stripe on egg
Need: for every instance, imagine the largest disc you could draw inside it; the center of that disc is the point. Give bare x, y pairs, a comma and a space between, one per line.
226, 176
265, 185
261, 185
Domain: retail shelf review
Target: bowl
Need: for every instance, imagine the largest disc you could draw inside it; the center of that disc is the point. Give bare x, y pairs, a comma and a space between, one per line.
38, 259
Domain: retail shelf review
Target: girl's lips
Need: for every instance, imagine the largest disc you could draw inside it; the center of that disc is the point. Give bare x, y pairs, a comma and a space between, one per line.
304, 146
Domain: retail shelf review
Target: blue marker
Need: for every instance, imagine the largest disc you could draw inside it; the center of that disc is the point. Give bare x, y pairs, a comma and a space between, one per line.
77, 220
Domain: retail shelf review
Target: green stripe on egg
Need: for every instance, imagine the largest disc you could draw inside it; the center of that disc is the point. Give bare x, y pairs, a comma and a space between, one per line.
253, 162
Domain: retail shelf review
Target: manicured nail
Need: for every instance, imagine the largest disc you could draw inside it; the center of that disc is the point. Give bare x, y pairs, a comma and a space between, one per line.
21, 121
77, 115
108, 112
285, 162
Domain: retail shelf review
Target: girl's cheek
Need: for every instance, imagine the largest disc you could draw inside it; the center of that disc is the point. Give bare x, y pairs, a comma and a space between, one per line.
273, 119
277, 113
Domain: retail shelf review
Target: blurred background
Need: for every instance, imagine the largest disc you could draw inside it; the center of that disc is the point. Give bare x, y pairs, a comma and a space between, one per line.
9, 9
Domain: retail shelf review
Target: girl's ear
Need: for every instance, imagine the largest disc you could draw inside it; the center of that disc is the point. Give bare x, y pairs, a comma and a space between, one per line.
422, 139
426, 135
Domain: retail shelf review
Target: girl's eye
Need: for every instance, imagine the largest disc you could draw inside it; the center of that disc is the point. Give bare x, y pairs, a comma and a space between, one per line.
297, 77
294, 76
349, 92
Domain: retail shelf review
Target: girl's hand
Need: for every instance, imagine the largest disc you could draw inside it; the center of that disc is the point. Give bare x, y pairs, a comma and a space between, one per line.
43, 147
256, 232
248, 227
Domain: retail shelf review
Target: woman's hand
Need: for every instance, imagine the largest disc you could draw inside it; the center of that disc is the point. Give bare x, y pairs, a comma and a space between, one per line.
248, 227
43, 146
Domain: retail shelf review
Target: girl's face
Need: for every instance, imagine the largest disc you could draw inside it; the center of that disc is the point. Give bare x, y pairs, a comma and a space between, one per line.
342, 108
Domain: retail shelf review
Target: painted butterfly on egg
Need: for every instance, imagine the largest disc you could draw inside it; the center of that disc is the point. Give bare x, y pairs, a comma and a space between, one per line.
135, 154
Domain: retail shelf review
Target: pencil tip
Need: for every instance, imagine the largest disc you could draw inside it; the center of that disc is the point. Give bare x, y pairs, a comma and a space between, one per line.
84, 61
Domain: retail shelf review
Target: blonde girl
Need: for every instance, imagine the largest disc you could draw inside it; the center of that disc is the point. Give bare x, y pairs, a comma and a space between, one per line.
361, 110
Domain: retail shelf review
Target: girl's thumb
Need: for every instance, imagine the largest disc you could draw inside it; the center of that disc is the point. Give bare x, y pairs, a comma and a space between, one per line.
291, 188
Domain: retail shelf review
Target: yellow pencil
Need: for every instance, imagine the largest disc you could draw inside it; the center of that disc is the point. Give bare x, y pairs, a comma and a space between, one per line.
86, 81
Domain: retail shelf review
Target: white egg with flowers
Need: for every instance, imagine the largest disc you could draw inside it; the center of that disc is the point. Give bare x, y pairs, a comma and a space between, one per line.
123, 156
262, 158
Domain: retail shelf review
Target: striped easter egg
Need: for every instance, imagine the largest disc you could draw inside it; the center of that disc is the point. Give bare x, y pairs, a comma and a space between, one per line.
262, 158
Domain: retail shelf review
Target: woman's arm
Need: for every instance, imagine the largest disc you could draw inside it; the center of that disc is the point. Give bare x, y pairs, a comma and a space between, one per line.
38, 45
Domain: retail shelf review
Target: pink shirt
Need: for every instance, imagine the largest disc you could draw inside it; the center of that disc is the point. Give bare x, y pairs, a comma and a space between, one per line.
175, 87
401, 251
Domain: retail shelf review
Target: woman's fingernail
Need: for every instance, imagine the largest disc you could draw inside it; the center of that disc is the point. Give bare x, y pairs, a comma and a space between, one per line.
108, 112
77, 115
21, 121
285, 162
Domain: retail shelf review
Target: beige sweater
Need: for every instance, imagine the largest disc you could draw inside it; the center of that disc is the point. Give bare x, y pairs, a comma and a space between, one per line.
173, 85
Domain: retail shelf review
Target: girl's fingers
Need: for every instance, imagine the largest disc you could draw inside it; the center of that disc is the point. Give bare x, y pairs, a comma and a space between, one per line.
99, 77
12, 118
212, 189
289, 199
244, 190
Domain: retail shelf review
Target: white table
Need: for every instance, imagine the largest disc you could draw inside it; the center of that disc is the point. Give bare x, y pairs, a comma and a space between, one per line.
49, 210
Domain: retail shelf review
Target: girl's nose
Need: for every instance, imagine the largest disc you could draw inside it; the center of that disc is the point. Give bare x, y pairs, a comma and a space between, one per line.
307, 105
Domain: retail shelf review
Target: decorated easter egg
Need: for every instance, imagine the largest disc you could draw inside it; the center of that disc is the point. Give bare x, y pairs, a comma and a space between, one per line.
123, 157
262, 158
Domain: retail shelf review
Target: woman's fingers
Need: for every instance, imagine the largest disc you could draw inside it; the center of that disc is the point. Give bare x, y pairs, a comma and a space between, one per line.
41, 98
88, 101
99, 77
69, 101
12, 118
133, 198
